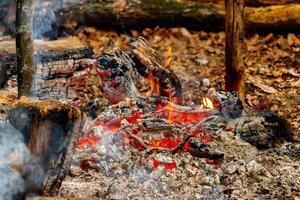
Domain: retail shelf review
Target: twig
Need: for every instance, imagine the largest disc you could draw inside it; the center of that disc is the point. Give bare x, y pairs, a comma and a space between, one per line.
190, 133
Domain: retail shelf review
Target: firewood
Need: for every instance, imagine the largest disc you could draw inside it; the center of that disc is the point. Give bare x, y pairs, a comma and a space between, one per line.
271, 16
60, 71
50, 130
149, 64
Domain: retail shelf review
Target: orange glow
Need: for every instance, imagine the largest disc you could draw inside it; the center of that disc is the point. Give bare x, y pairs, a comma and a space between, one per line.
87, 140
169, 57
167, 142
206, 138
154, 86
170, 108
206, 103
177, 116
168, 111
168, 166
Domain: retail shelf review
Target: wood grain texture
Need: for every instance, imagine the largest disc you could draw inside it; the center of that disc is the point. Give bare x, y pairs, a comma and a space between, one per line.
234, 47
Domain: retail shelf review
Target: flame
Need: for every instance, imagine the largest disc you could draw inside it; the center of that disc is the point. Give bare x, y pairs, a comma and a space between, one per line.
154, 86
206, 103
169, 57
170, 109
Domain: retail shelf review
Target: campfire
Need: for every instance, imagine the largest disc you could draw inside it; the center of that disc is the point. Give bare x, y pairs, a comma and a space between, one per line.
154, 123
144, 133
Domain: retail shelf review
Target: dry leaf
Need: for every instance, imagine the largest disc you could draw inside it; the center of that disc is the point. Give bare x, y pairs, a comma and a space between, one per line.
296, 84
265, 88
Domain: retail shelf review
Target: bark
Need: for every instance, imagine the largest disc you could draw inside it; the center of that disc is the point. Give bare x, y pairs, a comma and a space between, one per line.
24, 46
50, 130
271, 16
51, 17
234, 56
59, 65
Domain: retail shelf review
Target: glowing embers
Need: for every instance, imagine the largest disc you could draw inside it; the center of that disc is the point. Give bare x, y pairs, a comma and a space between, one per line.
167, 166
167, 142
87, 140
166, 127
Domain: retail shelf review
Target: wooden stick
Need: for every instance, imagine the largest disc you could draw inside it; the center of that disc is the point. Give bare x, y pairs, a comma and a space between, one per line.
24, 46
234, 62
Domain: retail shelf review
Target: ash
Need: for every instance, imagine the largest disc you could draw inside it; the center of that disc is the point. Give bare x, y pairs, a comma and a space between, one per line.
111, 169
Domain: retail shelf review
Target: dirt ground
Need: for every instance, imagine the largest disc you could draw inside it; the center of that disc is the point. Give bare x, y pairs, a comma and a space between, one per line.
272, 64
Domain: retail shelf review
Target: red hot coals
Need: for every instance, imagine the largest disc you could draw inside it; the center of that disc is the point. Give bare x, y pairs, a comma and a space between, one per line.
157, 128
146, 124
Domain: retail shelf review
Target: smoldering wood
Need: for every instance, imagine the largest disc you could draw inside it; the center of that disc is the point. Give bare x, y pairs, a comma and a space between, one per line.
234, 47
24, 47
150, 65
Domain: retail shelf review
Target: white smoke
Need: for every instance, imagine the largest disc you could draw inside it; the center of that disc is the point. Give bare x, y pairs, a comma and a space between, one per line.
19, 170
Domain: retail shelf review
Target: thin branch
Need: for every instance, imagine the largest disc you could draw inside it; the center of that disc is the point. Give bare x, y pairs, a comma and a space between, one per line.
24, 46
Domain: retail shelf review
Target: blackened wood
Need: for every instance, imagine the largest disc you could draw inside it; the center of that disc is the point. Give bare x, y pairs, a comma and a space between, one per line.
59, 67
234, 56
149, 64
24, 46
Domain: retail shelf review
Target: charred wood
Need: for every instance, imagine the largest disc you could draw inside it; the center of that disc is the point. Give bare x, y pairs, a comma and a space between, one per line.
58, 73
150, 65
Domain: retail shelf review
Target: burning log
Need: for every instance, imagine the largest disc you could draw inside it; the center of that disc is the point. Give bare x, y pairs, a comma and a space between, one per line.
118, 75
150, 65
